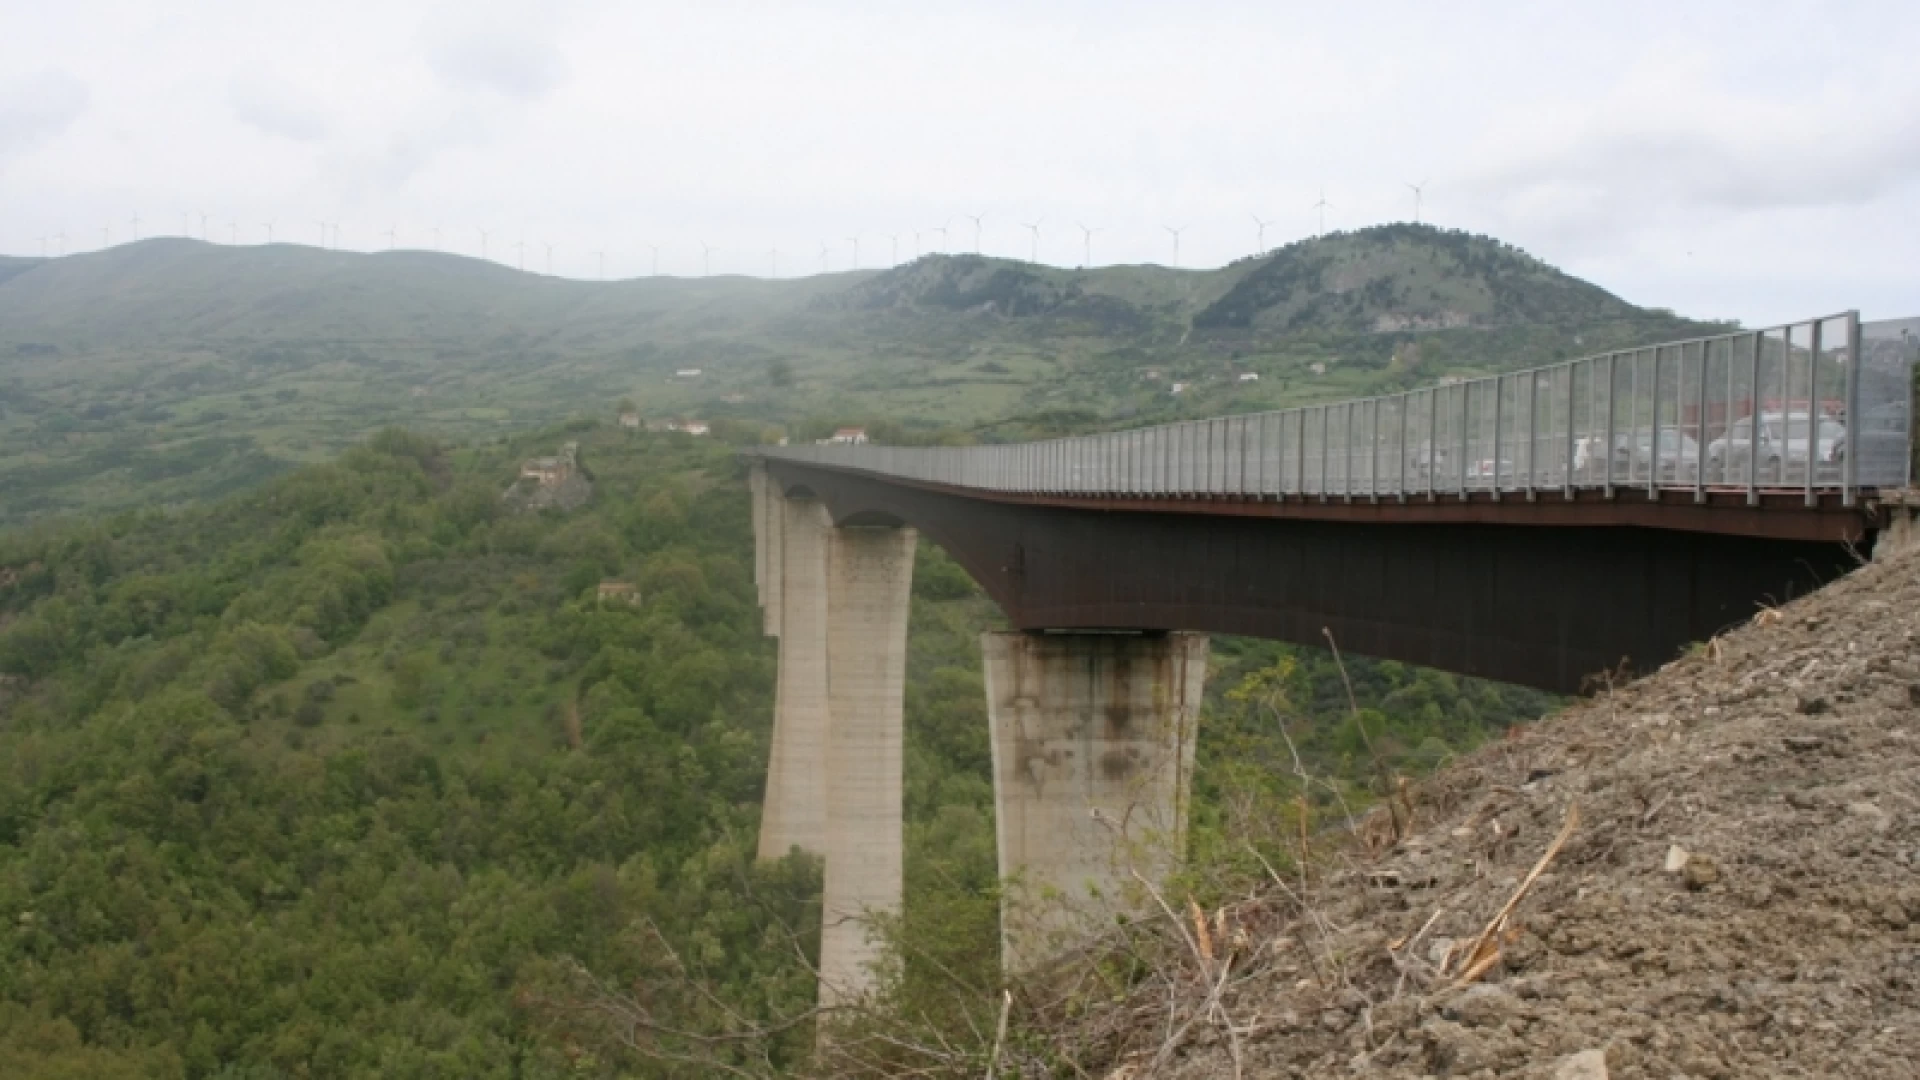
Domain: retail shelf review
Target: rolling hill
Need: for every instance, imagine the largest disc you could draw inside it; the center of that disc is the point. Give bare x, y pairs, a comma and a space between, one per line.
170, 370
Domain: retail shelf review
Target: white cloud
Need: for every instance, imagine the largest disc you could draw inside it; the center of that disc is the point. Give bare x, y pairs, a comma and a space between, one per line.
272, 105
35, 108
500, 60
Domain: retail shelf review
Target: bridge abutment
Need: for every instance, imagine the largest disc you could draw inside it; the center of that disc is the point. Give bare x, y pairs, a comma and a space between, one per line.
1093, 739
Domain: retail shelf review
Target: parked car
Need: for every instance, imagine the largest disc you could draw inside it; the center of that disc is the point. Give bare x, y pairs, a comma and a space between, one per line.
1677, 460
1782, 449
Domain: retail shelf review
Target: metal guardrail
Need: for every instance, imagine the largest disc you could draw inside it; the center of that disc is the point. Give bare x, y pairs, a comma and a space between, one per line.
1816, 406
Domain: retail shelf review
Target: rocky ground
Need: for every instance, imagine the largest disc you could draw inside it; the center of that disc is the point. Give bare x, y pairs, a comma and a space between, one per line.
1740, 895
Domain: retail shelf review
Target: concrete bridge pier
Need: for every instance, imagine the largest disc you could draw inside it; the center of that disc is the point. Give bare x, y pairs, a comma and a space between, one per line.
836, 598
796, 545
870, 579
1093, 738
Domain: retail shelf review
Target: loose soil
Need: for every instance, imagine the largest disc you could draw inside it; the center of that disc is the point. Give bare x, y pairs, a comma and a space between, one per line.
1740, 897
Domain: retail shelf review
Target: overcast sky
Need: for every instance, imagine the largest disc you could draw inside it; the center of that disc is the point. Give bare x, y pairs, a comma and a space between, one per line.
1758, 161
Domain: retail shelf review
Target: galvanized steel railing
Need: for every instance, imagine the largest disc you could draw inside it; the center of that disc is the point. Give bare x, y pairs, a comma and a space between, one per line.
1816, 406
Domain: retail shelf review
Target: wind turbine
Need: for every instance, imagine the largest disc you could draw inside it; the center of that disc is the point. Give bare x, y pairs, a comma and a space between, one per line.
323, 234
1418, 190
136, 227
655, 248
549, 260
269, 226
893, 253
436, 238
855, 241
203, 224
233, 233
916, 243
483, 239
1176, 241
942, 230
976, 219
393, 237
521, 247
1261, 232
1323, 206
773, 262
1034, 228
60, 238
1086, 240
602, 256
106, 237
706, 258
825, 248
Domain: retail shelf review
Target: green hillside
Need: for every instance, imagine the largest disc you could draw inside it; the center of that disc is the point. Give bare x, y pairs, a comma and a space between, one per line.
1412, 277
336, 777
170, 371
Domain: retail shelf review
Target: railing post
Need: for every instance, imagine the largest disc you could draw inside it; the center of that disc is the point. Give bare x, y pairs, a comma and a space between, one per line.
1611, 435
1400, 486
1373, 453
1326, 447
1499, 410
1466, 409
1653, 435
1753, 424
1850, 465
1300, 452
1700, 427
1813, 408
1573, 400
1533, 430
1433, 439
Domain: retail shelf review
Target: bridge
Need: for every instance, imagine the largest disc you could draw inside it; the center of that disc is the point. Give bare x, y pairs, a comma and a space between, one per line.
1543, 527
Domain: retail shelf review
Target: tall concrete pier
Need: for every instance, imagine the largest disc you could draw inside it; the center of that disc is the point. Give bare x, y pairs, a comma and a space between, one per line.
1093, 738
870, 579
836, 598
794, 813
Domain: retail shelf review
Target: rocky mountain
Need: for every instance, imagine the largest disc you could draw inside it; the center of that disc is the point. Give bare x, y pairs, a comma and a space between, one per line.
1409, 277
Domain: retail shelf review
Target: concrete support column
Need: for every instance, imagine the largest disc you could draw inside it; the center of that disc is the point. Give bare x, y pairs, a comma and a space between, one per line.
757, 505
794, 813
870, 579
1093, 738
769, 541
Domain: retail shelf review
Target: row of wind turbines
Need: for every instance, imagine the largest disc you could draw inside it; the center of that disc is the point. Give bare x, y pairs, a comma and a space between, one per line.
55, 244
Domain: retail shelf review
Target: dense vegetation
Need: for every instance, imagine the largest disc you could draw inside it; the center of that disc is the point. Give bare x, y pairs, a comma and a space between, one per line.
338, 777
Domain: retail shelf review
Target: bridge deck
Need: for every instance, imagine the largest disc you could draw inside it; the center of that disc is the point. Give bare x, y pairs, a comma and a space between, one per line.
1761, 433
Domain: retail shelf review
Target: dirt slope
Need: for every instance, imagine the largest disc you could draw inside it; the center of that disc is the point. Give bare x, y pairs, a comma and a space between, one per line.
1782, 760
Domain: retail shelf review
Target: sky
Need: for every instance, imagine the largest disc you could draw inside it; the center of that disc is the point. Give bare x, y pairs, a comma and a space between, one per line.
1729, 160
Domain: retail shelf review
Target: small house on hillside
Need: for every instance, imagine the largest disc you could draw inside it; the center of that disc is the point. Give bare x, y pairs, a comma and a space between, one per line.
613, 591
849, 436
688, 373
690, 427
630, 420
547, 471
1249, 376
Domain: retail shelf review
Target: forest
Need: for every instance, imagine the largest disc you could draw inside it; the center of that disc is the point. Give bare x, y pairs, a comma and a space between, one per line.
355, 774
